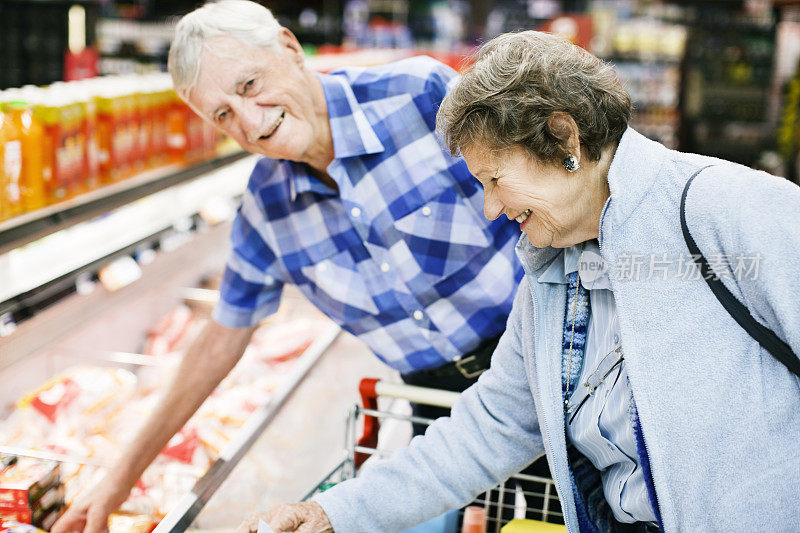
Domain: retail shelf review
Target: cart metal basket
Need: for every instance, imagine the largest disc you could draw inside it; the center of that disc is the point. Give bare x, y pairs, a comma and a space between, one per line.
521, 496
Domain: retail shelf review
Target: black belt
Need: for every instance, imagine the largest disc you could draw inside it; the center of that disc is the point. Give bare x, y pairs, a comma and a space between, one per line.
470, 365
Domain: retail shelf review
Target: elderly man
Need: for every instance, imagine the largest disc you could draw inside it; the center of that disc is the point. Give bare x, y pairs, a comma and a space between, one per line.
355, 202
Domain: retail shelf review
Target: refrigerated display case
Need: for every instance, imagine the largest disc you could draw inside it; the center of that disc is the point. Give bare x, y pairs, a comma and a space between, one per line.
289, 427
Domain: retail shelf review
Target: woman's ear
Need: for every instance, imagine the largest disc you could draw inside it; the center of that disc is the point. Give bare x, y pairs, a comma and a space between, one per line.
563, 127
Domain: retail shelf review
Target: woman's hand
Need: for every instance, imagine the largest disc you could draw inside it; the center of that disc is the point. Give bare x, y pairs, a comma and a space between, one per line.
304, 517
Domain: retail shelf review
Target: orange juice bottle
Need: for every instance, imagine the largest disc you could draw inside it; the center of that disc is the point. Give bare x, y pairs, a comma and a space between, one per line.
31, 182
104, 104
195, 136
138, 127
177, 130
10, 167
162, 98
72, 157
81, 92
57, 185
144, 103
124, 140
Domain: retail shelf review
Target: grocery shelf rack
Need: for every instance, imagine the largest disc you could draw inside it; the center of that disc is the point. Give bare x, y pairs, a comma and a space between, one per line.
31, 226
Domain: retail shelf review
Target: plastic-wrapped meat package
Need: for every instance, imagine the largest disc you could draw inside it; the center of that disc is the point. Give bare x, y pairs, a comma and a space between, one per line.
271, 353
73, 406
276, 342
93, 412
174, 332
225, 411
153, 379
80, 479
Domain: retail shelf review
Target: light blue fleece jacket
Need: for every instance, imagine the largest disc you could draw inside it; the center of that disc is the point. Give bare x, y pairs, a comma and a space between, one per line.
720, 416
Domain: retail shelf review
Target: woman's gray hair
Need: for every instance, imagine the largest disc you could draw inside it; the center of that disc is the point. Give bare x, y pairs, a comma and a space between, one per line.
518, 82
250, 23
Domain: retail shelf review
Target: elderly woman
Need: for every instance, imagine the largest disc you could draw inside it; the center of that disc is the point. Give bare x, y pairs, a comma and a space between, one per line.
656, 410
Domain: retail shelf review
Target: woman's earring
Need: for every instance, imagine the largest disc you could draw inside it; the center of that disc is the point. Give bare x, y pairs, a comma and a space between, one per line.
571, 163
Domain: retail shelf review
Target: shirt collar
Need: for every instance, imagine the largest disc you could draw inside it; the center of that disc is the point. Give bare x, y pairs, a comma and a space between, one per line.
351, 131
301, 181
570, 261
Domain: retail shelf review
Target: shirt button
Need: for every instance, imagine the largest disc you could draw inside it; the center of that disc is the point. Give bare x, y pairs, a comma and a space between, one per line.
385, 267
356, 212
322, 267
616, 339
426, 211
418, 315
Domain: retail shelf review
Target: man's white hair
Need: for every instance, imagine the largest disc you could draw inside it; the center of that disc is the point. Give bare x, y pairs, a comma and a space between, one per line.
248, 22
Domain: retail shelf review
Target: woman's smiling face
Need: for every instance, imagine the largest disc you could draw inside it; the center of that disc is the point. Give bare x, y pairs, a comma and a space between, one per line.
545, 199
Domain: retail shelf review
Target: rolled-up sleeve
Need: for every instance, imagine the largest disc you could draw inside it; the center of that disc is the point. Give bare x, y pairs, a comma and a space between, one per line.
492, 433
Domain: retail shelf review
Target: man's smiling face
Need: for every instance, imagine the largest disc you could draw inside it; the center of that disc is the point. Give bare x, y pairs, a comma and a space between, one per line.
261, 97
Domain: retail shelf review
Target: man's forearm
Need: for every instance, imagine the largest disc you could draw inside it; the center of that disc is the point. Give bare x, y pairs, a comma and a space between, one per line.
210, 358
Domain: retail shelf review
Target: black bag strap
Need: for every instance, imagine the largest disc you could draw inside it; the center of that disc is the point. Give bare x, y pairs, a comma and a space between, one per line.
765, 336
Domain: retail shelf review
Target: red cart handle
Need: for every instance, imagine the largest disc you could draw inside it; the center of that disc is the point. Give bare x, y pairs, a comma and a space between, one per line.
369, 436
371, 388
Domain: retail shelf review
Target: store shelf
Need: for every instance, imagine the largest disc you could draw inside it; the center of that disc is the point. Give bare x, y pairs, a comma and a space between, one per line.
35, 225
149, 207
159, 286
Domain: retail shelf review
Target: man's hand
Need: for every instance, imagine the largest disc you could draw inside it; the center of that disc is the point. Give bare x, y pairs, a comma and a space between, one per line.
305, 517
90, 514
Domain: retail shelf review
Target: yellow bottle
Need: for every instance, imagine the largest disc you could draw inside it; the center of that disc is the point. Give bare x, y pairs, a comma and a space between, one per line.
10, 167
31, 132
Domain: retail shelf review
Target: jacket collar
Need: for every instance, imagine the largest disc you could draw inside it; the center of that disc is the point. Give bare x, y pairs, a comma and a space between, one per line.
636, 164
631, 175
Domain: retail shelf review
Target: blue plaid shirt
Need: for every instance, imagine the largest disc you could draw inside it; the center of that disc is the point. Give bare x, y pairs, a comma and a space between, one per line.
401, 256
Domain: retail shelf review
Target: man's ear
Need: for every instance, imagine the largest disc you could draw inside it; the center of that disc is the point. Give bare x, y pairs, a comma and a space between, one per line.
289, 42
564, 128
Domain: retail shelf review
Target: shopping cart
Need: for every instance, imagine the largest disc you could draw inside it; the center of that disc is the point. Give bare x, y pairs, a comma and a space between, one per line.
521, 496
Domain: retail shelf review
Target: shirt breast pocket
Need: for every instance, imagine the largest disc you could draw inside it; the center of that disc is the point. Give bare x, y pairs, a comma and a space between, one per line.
337, 287
442, 236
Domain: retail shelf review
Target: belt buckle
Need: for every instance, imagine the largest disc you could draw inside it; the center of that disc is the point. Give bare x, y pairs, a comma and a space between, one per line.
461, 367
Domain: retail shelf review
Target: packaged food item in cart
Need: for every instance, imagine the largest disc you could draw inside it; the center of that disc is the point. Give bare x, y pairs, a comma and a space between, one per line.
47, 508
31, 491
474, 520
519, 525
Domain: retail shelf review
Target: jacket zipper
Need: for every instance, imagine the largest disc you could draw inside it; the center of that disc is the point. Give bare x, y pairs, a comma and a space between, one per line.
559, 481
644, 441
